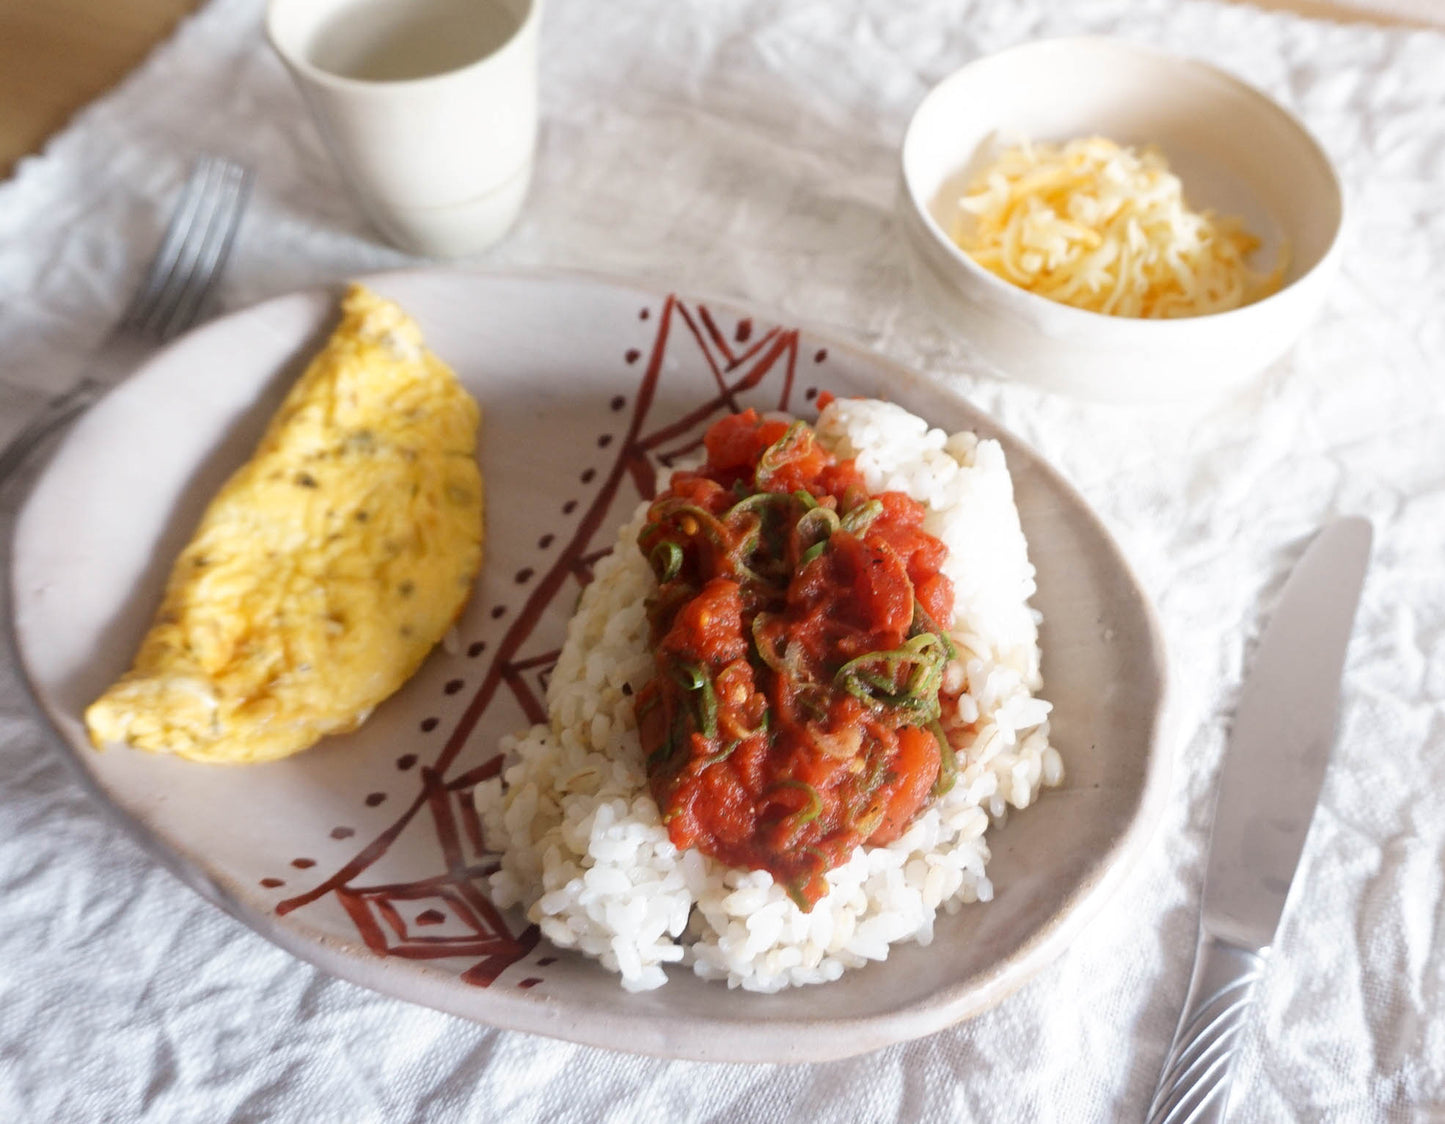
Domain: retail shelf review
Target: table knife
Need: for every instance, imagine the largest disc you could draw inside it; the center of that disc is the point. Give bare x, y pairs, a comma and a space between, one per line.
1274, 767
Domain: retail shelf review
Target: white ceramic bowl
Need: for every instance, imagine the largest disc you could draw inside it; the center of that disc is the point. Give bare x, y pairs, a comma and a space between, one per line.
1237, 152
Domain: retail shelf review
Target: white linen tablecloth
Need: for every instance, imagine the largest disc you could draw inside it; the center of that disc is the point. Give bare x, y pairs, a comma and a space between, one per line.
748, 148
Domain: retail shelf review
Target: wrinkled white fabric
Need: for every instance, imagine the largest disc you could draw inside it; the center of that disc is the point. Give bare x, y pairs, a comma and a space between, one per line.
748, 149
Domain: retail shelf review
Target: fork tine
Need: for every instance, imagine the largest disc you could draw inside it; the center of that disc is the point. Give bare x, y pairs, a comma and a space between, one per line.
178, 276
204, 227
163, 265
210, 254
192, 254
184, 276
181, 276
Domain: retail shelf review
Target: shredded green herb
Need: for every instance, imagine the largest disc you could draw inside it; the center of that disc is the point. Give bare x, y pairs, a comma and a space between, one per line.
666, 559
816, 525
663, 752
763, 646
726, 752
694, 678
815, 802
861, 517
922, 623
786, 448
947, 759
903, 679
675, 511
760, 503
647, 705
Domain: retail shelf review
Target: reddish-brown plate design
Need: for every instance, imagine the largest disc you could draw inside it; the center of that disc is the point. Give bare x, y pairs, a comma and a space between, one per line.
364, 855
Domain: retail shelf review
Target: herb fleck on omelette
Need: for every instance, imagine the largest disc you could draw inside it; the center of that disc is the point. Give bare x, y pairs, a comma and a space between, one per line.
326, 568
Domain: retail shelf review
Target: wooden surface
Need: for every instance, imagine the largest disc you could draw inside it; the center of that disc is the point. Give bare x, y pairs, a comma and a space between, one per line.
56, 55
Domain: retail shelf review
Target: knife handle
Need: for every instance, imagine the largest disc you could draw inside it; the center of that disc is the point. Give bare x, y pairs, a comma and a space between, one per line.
1194, 1084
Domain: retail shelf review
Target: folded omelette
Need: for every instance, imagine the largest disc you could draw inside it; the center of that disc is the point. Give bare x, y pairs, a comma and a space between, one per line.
326, 568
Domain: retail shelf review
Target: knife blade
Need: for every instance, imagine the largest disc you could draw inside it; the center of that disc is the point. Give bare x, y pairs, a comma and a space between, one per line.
1274, 768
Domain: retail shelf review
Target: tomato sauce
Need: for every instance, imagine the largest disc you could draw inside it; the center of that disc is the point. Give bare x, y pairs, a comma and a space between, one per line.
799, 638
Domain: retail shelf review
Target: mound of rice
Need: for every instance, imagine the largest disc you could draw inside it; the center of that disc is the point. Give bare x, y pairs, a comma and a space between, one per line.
582, 846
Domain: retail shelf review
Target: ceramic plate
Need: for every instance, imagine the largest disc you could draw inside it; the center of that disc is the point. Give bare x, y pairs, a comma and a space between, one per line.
364, 855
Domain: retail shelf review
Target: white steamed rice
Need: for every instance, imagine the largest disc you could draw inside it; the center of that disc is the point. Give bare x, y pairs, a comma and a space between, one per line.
582, 846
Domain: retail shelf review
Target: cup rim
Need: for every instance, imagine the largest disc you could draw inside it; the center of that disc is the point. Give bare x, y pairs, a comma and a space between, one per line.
367, 87
1031, 303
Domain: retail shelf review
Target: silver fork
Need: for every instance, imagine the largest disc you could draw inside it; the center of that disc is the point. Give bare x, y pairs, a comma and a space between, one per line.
191, 256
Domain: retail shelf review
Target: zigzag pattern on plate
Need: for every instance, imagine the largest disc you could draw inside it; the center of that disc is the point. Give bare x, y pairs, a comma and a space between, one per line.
732, 365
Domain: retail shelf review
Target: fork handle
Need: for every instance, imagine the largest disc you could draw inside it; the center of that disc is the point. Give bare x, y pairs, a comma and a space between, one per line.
119, 355
1194, 1085
55, 415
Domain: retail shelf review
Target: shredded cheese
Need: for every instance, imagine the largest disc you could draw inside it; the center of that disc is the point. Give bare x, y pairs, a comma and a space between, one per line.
1105, 228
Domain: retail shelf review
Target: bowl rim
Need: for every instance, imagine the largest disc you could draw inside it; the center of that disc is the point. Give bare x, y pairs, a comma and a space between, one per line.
1025, 301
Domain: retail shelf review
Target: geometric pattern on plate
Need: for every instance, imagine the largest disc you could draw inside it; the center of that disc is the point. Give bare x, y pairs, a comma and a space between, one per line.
394, 919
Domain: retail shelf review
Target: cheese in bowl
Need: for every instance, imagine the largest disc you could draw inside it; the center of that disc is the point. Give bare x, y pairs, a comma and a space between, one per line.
1107, 229
327, 566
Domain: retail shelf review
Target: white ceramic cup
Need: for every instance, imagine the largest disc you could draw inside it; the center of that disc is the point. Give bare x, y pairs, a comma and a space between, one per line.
428, 106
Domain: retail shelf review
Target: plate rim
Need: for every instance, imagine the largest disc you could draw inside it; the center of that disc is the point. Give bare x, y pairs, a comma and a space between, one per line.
692, 1036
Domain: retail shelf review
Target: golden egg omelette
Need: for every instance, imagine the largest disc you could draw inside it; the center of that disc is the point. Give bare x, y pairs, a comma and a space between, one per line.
328, 565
